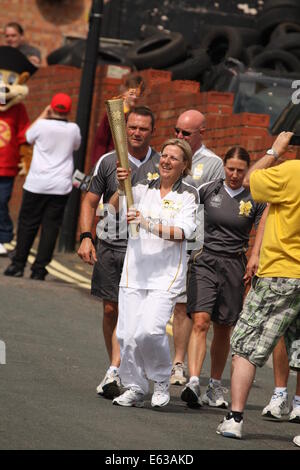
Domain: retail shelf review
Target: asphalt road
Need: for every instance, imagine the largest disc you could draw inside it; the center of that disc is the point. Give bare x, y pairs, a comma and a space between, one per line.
55, 357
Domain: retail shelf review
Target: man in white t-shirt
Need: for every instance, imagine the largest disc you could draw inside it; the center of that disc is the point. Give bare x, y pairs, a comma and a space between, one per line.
47, 186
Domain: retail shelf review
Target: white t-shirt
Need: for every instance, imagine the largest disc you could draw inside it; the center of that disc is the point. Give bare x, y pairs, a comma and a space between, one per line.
152, 262
52, 163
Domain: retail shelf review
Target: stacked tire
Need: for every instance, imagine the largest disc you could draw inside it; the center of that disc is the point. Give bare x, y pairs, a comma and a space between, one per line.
73, 54
272, 45
168, 51
279, 27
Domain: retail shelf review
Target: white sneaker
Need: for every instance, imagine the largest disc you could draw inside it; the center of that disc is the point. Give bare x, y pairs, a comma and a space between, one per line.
278, 406
110, 387
3, 250
191, 394
296, 440
230, 428
295, 415
161, 395
178, 374
214, 396
130, 398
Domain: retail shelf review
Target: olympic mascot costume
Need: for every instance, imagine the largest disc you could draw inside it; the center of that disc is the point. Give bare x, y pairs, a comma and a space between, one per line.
15, 69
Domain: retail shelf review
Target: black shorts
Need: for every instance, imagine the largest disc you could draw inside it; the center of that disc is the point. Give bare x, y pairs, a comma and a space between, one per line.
216, 286
107, 272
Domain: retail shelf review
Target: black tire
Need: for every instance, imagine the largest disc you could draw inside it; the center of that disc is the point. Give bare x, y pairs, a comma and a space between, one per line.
158, 51
113, 55
218, 78
250, 36
106, 55
192, 67
221, 43
287, 42
62, 55
250, 52
270, 4
276, 59
267, 22
283, 29
78, 53
296, 53
148, 30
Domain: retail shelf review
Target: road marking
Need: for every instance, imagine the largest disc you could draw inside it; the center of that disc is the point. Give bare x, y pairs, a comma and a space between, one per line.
60, 271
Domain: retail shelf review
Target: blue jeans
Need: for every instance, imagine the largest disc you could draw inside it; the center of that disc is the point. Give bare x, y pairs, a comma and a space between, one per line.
6, 225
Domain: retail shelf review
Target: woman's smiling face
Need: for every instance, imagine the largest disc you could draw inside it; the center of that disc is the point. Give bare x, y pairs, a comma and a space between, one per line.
172, 163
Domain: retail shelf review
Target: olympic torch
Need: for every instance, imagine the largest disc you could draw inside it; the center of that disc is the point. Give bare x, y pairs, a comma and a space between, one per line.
116, 117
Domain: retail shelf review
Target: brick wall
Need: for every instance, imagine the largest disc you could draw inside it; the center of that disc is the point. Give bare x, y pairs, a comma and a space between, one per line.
166, 98
46, 23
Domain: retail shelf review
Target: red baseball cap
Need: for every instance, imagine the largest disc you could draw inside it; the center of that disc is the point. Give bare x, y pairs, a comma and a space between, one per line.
61, 103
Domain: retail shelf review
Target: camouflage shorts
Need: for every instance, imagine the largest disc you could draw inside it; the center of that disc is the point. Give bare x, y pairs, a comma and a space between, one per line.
271, 310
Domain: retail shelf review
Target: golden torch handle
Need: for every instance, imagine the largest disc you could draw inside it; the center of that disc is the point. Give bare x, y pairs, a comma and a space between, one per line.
116, 117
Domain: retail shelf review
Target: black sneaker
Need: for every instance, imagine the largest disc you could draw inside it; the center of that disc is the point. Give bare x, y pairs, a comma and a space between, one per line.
14, 271
39, 275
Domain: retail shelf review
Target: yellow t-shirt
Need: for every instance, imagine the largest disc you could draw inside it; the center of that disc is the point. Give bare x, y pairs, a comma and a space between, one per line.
280, 251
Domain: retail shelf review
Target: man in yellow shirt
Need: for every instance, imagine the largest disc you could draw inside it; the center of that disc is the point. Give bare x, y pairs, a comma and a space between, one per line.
272, 307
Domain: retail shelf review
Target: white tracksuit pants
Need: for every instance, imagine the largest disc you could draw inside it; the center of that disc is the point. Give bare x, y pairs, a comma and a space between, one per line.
141, 332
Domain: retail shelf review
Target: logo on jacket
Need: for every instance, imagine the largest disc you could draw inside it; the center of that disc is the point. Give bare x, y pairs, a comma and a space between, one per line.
198, 171
152, 176
216, 200
171, 205
245, 208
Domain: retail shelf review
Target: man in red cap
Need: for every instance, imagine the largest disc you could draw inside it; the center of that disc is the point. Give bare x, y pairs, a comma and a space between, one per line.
61, 103
47, 185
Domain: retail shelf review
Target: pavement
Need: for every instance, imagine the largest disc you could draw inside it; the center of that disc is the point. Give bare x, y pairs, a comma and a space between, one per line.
55, 357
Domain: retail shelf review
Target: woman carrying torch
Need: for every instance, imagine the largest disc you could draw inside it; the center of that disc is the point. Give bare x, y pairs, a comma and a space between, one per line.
154, 273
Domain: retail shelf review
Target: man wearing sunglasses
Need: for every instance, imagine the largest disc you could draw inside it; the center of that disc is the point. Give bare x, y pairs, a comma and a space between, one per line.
206, 166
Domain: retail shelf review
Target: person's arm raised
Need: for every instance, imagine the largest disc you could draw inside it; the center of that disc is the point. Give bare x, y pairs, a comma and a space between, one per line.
279, 147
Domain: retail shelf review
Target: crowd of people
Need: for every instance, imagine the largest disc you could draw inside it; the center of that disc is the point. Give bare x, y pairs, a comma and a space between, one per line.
134, 276
192, 217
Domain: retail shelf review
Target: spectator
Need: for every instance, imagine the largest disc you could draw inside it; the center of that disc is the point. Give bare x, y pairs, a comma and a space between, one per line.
131, 91
15, 70
272, 306
278, 407
14, 37
47, 185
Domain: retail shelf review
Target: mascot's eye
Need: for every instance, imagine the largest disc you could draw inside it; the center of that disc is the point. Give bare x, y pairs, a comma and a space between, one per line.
12, 79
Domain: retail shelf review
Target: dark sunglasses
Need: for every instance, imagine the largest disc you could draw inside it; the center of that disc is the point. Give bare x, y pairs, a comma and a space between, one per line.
184, 133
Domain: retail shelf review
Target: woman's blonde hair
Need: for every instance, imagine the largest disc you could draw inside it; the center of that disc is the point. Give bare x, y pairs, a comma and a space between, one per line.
187, 152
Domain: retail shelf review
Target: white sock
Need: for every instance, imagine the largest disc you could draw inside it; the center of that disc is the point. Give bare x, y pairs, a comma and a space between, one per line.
113, 368
280, 390
194, 379
3, 250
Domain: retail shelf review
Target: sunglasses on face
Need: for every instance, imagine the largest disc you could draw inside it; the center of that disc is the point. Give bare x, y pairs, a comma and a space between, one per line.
184, 133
